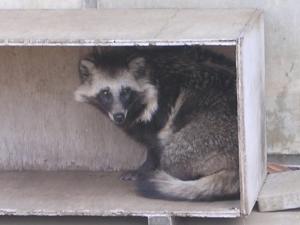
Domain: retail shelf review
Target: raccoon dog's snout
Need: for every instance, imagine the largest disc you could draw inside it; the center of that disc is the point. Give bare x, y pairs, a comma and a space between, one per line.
119, 118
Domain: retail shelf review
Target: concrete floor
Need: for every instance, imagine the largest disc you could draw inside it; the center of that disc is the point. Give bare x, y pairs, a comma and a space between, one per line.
256, 218
92, 194
277, 218
30, 220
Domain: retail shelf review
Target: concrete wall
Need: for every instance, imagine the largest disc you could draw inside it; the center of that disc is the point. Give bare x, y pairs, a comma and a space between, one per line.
282, 55
43, 127
41, 4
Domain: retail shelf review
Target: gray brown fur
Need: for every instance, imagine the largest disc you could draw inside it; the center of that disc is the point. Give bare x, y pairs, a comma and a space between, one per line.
191, 135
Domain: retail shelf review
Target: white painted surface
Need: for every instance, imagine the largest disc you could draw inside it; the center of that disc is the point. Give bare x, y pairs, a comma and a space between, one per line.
275, 218
40, 4
251, 91
122, 27
43, 127
92, 194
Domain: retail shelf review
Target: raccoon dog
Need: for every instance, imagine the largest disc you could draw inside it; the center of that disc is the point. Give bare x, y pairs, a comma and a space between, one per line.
179, 102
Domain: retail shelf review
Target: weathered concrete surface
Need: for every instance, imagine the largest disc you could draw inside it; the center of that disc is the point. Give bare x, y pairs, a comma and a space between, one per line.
281, 191
92, 194
287, 159
71, 220
277, 218
161, 220
121, 27
90, 4
41, 4
43, 127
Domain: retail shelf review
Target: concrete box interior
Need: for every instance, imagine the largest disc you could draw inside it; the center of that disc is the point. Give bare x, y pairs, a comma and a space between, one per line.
60, 157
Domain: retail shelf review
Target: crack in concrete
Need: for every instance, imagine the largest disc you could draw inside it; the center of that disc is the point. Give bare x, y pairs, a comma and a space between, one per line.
290, 70
166, 24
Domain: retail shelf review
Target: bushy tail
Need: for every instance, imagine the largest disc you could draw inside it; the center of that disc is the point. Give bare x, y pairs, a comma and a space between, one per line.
159, 184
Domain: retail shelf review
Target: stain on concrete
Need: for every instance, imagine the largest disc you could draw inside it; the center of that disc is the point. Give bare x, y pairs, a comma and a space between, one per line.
279, 133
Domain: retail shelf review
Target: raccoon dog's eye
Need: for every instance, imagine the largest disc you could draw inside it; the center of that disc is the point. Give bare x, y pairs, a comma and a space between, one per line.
105, 92
105, 95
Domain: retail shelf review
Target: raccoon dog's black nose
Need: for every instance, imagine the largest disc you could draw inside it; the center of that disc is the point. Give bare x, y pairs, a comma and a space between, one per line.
119, 118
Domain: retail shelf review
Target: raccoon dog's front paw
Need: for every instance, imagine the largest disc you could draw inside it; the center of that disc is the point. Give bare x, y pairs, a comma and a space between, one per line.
130, 175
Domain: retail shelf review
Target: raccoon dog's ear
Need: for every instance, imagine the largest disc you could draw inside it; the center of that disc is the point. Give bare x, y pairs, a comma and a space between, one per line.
137, 66
85, 68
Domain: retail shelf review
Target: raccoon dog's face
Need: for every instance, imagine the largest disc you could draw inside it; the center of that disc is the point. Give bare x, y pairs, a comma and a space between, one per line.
119, 88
